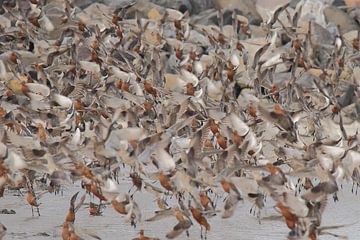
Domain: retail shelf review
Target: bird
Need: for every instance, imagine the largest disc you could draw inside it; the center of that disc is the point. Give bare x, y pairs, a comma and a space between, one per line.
165, 181
136, 180
3, 230
70, 216
120, 204
32, 201
198, 216
184, 223
143, 237
95, 209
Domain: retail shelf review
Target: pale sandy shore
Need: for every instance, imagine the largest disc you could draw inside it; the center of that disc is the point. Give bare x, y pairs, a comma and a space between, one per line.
113, 226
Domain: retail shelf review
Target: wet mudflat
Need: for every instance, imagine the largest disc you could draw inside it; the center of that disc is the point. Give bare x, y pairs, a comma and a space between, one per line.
112, 226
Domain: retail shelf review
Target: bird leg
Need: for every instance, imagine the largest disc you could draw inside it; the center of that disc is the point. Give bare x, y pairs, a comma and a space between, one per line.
99, 207
20, 193
131, 188
133, 223
335, 197
225, 198
251, 209
216, 197
215, 202
258, 215
38, 210
99, 211
136, 190
32, 211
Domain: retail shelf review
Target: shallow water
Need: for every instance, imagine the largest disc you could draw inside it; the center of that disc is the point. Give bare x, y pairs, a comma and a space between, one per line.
113, 226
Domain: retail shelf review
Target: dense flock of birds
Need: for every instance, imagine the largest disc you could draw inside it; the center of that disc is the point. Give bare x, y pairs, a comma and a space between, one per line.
190, 113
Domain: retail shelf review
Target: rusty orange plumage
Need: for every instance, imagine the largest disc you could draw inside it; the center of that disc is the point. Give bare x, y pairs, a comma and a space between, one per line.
32, 201
225, 185
213, 126
165, 182
204, 199
290, 218
120, 207
221, 140
65, 231
149, 88
34, 21
198, 216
